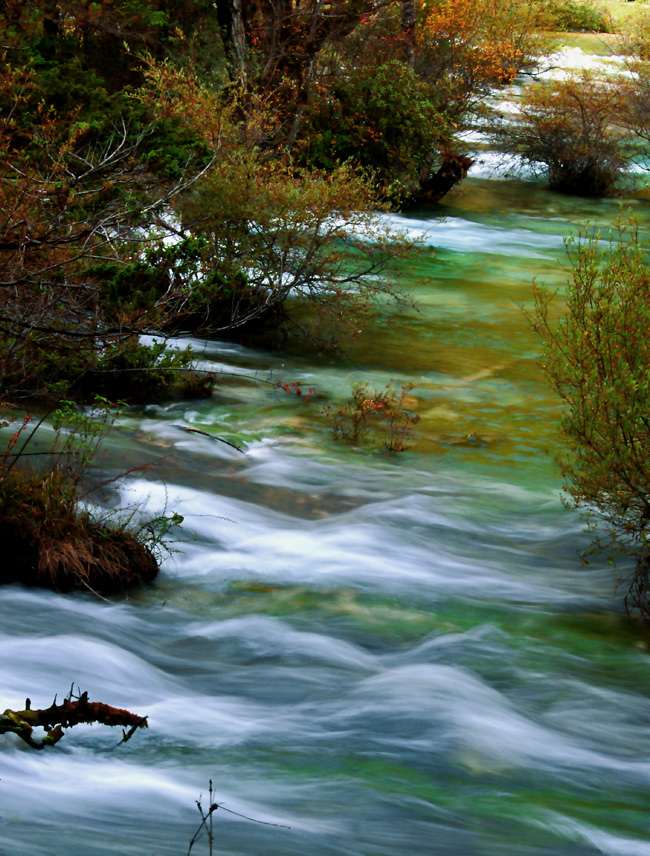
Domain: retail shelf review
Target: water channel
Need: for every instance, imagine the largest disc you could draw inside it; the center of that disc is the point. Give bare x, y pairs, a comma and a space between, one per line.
389, 654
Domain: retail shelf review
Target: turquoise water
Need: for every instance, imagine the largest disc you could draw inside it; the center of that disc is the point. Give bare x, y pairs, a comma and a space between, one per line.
389, 654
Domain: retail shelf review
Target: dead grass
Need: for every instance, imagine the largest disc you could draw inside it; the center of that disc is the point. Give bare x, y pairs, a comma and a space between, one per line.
48, 535
49, 539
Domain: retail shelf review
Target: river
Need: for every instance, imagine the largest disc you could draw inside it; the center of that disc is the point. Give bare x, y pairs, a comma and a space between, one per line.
390, 655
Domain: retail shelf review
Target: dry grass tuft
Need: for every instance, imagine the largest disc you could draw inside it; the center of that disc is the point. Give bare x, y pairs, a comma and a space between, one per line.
48, 536
49, 539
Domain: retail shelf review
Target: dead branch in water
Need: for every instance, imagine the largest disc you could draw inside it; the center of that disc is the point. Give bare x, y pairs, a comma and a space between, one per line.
72, 711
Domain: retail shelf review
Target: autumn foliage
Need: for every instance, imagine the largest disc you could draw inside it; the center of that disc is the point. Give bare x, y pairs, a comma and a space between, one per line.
574, 130
466, 46
379, 416
178, 167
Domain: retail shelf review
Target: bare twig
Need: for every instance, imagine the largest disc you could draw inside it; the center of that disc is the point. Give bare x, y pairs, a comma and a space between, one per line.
206, 821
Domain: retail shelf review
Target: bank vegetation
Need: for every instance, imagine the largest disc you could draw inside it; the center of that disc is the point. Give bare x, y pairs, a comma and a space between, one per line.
183, 166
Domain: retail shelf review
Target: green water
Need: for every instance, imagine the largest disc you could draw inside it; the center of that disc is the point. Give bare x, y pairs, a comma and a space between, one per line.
389, 653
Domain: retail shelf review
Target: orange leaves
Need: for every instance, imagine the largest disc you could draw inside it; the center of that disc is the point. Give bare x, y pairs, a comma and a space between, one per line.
173, 93
13, 439
474, 42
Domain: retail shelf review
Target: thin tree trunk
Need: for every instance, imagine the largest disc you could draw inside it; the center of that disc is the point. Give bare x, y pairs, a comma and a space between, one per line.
238, 38
311, 51
408, 30
303, 97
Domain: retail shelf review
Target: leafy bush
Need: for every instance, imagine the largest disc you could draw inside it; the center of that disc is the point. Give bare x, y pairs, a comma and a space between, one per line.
77, 197
381, 117
579, 15
132, 371
597, 357
467, 47
572, 128
280, 239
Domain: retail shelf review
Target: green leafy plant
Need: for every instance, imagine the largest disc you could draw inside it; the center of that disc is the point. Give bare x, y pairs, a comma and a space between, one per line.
579, 15
373, 416
597, 357
381, 117
143, 372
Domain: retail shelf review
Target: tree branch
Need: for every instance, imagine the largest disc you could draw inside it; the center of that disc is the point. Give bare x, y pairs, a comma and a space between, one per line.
59, 716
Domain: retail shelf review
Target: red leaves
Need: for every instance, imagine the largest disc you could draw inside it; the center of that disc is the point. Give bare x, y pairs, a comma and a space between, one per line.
14, 437
295, 388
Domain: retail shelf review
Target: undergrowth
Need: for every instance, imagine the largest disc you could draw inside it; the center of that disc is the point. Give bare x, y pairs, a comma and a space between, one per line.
580, 16
51, 535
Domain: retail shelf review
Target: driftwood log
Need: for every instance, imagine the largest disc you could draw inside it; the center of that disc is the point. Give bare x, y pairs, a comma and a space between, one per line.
72, 711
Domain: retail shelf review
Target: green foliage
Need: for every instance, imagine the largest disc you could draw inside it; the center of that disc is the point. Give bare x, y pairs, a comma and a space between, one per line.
168, 150
125, 368
146, 187
280, 239
107, 36
381, 117
136, 372
579, 15
86, 66
142, 284
372, 416
79, 433
597, 357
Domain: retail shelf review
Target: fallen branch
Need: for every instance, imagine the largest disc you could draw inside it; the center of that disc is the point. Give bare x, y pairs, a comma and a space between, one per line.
59, 716
211, 437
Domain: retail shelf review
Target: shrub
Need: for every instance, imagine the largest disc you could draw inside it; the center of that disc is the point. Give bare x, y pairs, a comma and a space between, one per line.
49, 540
573, 129
597, 357
374, 415
381, 117
467, 47
579, 15
196, 384
635, 91
135, 372
283, 240
79, 201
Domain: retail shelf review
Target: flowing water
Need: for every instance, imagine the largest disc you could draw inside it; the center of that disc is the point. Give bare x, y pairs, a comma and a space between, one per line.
389, 654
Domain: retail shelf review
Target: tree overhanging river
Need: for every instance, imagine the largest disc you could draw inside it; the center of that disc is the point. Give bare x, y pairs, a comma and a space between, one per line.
390, 655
